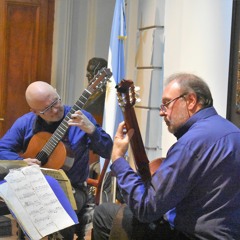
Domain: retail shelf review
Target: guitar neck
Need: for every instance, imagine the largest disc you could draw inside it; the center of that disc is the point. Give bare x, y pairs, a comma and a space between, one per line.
141, 159
96, 84
63, 127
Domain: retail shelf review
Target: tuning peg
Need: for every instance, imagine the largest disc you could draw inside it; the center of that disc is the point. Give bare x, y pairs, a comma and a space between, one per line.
136, 88
138, 100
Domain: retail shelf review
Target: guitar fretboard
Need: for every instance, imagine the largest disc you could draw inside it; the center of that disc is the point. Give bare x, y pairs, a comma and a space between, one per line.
96, 84
63, 127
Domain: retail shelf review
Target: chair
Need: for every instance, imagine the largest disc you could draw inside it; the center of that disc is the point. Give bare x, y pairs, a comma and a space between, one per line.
95, 181
98, 180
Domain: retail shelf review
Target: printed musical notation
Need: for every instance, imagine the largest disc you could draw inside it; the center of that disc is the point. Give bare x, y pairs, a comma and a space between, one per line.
64, 182
33, 202
59, 175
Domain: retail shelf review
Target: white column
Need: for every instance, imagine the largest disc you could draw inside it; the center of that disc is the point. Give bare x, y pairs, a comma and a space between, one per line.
197, 40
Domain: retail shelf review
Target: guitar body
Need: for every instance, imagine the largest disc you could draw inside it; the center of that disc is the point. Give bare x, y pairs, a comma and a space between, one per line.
55, 160
155, 164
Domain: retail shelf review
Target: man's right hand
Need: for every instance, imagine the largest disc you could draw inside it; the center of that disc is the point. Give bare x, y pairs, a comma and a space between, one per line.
32, 161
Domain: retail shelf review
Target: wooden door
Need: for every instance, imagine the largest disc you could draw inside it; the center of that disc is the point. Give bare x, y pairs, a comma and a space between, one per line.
233, 107
26, 33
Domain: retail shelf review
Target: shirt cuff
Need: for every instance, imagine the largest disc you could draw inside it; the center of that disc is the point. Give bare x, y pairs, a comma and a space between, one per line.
95, 135
119, 166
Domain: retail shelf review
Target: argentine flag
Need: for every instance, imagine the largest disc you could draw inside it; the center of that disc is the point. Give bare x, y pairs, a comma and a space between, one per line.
112, 112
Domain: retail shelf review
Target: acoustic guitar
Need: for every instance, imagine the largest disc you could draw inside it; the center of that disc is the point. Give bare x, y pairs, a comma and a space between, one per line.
48, 148
126, 99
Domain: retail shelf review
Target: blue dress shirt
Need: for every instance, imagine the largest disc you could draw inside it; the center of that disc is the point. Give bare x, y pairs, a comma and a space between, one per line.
198, 184
78, 143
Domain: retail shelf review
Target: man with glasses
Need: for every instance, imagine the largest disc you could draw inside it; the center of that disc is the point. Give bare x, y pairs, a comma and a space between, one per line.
83, 134
195, 192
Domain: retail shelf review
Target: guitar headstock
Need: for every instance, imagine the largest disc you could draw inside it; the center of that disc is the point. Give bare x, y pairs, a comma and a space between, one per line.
126, 94
100, 80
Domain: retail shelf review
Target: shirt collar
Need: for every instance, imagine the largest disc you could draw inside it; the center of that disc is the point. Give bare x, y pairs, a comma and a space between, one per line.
201, 114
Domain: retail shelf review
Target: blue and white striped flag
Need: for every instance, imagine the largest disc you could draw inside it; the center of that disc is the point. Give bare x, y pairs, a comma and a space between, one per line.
112, 112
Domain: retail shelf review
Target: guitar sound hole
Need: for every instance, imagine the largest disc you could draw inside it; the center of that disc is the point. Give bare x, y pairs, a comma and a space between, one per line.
42, 157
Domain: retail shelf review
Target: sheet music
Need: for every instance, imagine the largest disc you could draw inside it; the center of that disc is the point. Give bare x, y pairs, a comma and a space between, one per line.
59, 175
63, 180
23, 219
30, 190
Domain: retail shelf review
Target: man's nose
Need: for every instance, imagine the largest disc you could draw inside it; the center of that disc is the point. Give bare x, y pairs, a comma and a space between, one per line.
162, 113
54, 109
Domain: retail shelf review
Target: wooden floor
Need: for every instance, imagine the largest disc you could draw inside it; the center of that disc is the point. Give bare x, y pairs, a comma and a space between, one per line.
14, 232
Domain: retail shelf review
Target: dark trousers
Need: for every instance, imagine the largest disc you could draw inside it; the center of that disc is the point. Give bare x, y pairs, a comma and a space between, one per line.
81, 197
104, 220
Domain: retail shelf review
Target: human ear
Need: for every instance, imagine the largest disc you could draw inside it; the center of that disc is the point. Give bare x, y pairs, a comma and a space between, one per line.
191, 100
32, 110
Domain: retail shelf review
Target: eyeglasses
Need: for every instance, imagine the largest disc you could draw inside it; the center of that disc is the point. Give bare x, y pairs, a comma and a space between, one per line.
164, 107
53, 104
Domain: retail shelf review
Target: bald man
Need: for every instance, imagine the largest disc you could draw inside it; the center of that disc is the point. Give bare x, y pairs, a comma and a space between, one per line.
83, 134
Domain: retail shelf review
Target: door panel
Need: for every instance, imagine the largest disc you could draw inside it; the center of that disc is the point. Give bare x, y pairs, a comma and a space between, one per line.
26, 33
233, 108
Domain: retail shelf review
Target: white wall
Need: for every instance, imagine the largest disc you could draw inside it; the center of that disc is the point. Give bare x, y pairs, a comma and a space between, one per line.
197, 40
164, 36
149, 73
81, 31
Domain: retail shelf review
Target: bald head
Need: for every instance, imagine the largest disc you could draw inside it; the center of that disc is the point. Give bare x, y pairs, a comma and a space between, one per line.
44, 101
38, 92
